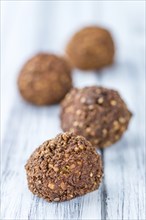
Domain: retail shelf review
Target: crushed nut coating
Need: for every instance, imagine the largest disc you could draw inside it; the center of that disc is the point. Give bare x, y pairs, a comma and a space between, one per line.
91, 48
63, 168
45, 79
97, 113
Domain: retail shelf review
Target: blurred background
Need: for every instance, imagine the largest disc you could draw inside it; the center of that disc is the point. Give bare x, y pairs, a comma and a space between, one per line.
28, 27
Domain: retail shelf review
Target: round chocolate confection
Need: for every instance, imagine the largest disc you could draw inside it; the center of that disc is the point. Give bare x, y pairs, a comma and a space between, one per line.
91, 48
63, 168
97, 113
44, 79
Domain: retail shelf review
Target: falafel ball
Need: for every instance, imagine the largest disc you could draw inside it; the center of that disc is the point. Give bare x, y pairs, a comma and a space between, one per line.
99, 114
45, 79
91, 48
63, 168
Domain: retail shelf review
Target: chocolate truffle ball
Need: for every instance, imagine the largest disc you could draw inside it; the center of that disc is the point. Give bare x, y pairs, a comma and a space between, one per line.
91, 48
44, 79
97, 113
63, 168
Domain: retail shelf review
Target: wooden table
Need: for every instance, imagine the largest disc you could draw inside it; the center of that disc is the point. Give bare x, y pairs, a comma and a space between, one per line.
24, 127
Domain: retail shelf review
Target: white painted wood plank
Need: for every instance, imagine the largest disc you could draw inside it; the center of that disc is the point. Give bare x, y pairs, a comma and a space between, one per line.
124, 162
122, 193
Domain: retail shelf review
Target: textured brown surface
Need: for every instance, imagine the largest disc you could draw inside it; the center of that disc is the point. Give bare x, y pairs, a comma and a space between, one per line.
91, 48
97, 113
44, 79
63, 168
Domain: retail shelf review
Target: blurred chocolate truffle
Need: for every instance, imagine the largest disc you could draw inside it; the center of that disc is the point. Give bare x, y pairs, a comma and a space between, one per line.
97, 113
91, 48
45, 79
63, 168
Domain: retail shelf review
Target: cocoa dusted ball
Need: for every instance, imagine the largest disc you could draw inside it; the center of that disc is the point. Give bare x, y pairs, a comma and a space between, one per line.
91, 48
63, 168
44, 79
97, 113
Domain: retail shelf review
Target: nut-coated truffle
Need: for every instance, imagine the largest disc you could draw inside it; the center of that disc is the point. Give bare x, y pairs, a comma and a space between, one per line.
91, 48
44, 79
63, 168
99, 114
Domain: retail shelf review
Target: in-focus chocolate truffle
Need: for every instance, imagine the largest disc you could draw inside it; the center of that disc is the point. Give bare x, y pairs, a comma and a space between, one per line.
45, 79
63, 168
97, 113
91, 48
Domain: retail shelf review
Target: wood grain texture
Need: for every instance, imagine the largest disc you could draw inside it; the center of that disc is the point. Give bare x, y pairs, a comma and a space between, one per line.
121, 195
